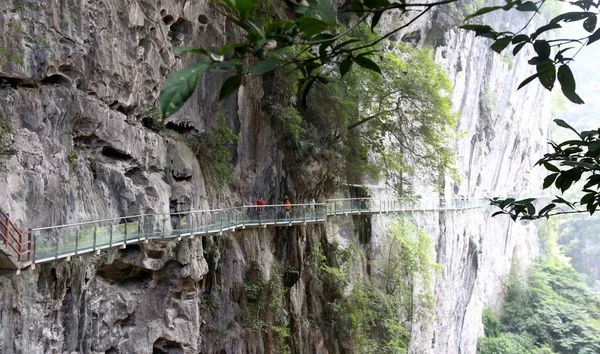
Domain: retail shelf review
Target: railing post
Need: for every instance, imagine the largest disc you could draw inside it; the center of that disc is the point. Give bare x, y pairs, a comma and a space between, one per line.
95, 241
76, 239
304, 213
5, 233
191, 223
179, 224
56, 251
110, 235
31, 244
125, 237
20, 256
140, 222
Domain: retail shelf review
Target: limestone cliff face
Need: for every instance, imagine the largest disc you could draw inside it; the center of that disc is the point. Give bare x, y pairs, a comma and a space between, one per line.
503, 133
77, 83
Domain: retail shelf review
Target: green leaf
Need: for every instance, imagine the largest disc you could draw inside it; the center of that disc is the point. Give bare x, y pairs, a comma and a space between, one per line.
538, 61
549, 180
590, 24
563, 124
223, 50
375, 4
500, 44
230, 86
594, 37
244, 7
551, 167
547, 209
542, 48
367, 64
327, 11
375, 19
527, 6
264, 66
567, 84
482, 11
519, 38
308, 85
530, 208
545, 28
518, 47
547, 76
311, 26
480, 30
184, 49
345, 66
528, 80
345, 43
587, 198
179, 86
571, 17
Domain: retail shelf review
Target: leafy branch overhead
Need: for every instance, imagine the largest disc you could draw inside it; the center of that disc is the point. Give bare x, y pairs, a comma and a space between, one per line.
552, 56
569, 163
313, 43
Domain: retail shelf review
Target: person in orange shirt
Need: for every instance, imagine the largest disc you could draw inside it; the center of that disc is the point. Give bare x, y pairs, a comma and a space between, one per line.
288, 208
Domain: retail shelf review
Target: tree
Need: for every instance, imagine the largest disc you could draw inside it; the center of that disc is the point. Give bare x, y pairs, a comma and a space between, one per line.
318, 38
552, 56
571, 161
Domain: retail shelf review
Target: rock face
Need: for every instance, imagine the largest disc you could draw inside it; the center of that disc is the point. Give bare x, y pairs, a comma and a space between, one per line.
78, 80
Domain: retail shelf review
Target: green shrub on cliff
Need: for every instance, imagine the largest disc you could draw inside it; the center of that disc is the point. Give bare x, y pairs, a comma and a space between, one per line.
5, 138
375, 314
214, 147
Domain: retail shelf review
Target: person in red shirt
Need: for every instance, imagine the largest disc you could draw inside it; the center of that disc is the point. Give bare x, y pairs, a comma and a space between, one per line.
260, 206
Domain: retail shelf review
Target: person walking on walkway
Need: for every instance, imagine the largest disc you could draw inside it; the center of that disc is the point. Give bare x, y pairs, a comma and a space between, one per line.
288, 209
313, 205
260, 207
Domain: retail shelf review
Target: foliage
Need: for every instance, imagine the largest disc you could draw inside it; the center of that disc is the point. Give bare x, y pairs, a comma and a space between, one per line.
214, 148
405, 114
262, 306
366, 124
6, 130
576, 159
552, 56
550, 310
72, 159
491, 323
319, 43
151, 117
374, 315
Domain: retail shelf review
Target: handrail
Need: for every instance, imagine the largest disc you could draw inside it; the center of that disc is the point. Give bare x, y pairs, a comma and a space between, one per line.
14, 243
60, 241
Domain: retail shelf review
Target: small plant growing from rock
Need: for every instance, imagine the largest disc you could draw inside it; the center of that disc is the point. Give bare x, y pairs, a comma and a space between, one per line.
72, 159
6, 130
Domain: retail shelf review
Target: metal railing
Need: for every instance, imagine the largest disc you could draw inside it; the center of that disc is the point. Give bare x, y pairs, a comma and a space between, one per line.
56, 242
14, 240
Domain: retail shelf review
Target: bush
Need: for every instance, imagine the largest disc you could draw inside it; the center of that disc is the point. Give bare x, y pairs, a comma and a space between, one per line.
505, 343
491, 323
214, 148
6, 149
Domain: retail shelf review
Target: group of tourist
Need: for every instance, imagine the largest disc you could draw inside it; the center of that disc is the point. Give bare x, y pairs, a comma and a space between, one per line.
260, 207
